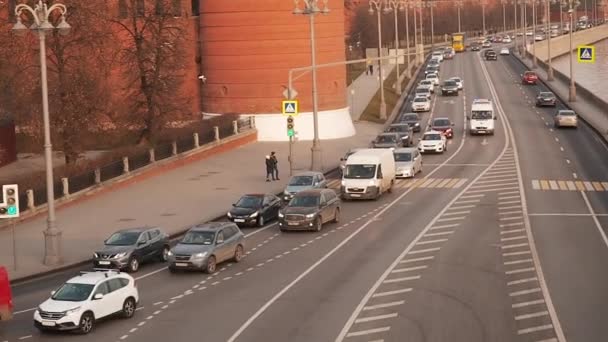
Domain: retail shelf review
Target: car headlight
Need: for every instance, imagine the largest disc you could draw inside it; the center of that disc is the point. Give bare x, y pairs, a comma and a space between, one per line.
310, 216
120, 255
71, 311
281, 214
417, 124
286, 192
371, 183
228, 214
254, 214
170, 253
96, 255
200, 255
343, 182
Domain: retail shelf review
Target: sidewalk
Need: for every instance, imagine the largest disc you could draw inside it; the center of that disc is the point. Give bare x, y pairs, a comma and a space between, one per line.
176, 200
363, 89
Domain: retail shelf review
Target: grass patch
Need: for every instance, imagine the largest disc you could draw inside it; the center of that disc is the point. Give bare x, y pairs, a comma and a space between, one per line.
372, 111
353, 71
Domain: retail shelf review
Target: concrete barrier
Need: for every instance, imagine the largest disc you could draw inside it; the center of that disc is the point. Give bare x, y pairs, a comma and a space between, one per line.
561, 45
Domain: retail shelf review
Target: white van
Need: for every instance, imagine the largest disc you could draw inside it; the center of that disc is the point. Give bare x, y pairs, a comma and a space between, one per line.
482, 117
368, 174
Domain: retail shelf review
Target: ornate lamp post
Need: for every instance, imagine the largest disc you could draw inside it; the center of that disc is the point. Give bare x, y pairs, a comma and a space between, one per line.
459, 4
534, 58
504, 15
571, 5
407, 37
395, 6
483, 17
42, 26
311, 9
376, 6
413, 6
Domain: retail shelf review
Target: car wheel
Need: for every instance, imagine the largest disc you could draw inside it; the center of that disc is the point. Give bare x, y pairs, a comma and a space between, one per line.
164, 255
319, 224
238, 254
390, 188
211, 265
172, 270
128, 308
133, 265
87, 323
261, 221
337, 215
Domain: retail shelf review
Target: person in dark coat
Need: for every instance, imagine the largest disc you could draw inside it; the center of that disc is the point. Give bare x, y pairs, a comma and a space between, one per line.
275, 166
269, 169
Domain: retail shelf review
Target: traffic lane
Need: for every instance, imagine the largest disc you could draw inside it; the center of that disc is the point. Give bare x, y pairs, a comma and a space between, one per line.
317, 307
574, 261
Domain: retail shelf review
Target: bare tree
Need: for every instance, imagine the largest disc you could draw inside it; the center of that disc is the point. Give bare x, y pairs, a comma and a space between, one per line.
153, 59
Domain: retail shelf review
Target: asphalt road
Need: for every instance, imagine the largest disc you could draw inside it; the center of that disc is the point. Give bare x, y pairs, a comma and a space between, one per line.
464, 256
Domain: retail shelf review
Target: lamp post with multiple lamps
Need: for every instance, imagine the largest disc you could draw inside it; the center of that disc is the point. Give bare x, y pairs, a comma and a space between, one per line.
483, 17
504, 14
459, 4
311, 9
534, 58
406, 11
378, 6
430, 4
413, 6
550, 76
41, 13
395, 6
515, 25
571, 5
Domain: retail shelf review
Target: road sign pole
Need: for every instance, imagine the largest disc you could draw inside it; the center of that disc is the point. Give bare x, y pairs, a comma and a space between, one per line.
290, 158
14, 233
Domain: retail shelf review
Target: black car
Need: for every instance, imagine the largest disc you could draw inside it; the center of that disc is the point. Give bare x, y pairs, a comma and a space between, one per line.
431, 69
310, 209
491, 55
128, 248
475, 47
255, 209
412, 119
545, 98
449, 87
405, 132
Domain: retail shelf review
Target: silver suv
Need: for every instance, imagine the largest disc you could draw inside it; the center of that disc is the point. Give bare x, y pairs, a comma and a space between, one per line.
206, 245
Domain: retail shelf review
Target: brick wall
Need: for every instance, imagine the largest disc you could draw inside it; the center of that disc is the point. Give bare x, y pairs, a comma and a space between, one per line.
8, 143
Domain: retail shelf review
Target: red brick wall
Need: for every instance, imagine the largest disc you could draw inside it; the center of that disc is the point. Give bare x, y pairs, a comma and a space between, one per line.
8, 143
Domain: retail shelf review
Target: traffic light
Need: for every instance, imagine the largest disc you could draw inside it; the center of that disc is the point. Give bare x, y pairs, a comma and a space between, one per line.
290, 126
9, 207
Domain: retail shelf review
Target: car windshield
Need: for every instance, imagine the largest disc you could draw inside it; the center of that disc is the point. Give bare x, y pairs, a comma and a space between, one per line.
301, 180
198, 238
431, 76
425, 83
304, 201
364, 171
546, 95
450, 84
72, 292
123, 239
455, 79
403, 157
420, 99
481, 115
398, 129
386, 139
410, 117
249, 202
421, 90
529, 74
441, 122
566, 113
431, 137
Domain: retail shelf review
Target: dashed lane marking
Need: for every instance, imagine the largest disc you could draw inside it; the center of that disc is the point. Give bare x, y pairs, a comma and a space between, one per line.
375, 318
384, 305
522, 281
535, 329
368, 332
528, 303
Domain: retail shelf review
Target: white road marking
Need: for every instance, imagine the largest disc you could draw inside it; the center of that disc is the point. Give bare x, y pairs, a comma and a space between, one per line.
430, 257
525, 292
124, 337
470, 196
398, 280
462, 207
522, 281
574, 175
509, 207
132, 330
568, 161
409, 269
516, 253
428, 250
511, 224
508, 193
510, 218
139, 308
502, 175
464, 212
512, 231
595, 220
532, 315
390, 293
215, 283
510, 212
157, 312
439, 234
451, 219
517, 245
149, 317
141, 324
467, 201
522, 237
524, 304
384, 305
368, 331
556, 139
25, 337
534, 329
375, 318
495, 189
561, 149
498, 180
444, 226
157, 303
494, 185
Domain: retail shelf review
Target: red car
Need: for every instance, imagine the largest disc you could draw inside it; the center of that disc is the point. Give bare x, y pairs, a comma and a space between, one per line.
529, 77
443, 125
6, 300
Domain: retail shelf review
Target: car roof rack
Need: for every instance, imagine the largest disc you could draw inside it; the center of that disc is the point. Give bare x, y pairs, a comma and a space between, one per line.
105, 270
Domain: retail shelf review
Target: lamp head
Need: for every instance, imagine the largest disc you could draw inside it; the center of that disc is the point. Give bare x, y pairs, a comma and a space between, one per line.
370, 10
63, 27
297, 11
19, 29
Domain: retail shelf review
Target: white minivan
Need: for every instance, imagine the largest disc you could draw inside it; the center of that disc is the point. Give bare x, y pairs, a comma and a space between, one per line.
368, 174
482, 117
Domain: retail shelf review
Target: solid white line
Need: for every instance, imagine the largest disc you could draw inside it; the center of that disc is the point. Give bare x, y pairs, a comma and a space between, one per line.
408, 269
508, 174
595, 220
525, 292
375, 318
573, 215
553, 339
522, 281
260, 230
524, 304
493, 174
25, 337
535, 329
512, 231
430, 257
522, 237
521, 270
457, 213
368, 331
439, 234
532, 315
515, 253
384, 305
420, 251
390, 293
398, 280
445, 226
431, 242
510, 218
494, 190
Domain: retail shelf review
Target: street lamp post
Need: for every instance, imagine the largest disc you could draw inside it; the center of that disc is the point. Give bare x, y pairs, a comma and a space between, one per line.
459, 5
311, 9
378, 5
42, 26
483, 17
416, 59
572, 6
561, 20
504, 15
407, 38
534, 59
431, 4
395, 6
550, 76
515, 25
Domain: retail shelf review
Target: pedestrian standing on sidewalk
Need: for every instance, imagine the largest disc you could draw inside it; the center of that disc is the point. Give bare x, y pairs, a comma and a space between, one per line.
275, 166
269, 169
370, 67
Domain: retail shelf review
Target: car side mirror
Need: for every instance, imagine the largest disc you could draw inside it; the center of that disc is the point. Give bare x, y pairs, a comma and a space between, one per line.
98, 296
141, 243
234, 204
342, 159
53, 293
496, 118
468, 117
219, 241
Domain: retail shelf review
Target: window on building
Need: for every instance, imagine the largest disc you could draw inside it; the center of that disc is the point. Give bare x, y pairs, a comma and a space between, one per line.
123, 12
11, 11
176, 8
196, 8
140, 8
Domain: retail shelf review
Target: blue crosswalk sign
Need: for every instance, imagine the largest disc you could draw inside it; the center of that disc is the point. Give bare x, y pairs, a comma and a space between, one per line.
586, 54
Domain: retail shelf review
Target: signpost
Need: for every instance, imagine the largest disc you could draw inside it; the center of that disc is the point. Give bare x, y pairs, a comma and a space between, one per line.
291, 109
586, 54
9, 208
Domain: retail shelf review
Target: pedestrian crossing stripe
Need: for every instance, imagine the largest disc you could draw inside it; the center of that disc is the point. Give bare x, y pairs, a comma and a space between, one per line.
586, 54
290, 107
569, 185
435, 183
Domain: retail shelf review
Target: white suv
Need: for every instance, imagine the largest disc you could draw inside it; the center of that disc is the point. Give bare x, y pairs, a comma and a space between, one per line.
82, 300
433, 141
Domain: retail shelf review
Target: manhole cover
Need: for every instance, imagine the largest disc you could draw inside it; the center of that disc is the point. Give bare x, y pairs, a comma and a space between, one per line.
168, 214
221, 188
126, 220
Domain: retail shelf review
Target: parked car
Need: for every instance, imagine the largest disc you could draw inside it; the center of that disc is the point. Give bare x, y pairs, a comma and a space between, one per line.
309, 210
405, 132
85, 299
387, 140
207, 245
565, 118
545, 98
449, 87
343, 159
126, 249
443, 125
433, 141
412, 119
255, 209
304, 181
408, 162
529, 77
6, 298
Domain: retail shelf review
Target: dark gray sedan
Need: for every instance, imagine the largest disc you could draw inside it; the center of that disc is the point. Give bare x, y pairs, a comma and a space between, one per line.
404, 131
412, 119
387, 140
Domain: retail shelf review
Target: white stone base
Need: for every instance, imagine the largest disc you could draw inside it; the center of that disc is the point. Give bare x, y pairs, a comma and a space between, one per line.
333, 124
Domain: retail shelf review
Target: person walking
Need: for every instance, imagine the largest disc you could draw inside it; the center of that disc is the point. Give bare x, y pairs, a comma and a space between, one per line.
275, 166
370, 67
269, 169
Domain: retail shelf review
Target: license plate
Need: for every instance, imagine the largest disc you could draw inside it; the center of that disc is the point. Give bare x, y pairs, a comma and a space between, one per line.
239, 220
104, 263
481, 131
355, 195
48, 324
292, 223
181, 264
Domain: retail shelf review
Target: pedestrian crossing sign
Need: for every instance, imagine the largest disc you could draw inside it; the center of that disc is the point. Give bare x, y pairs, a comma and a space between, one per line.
290, 107
586, 54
